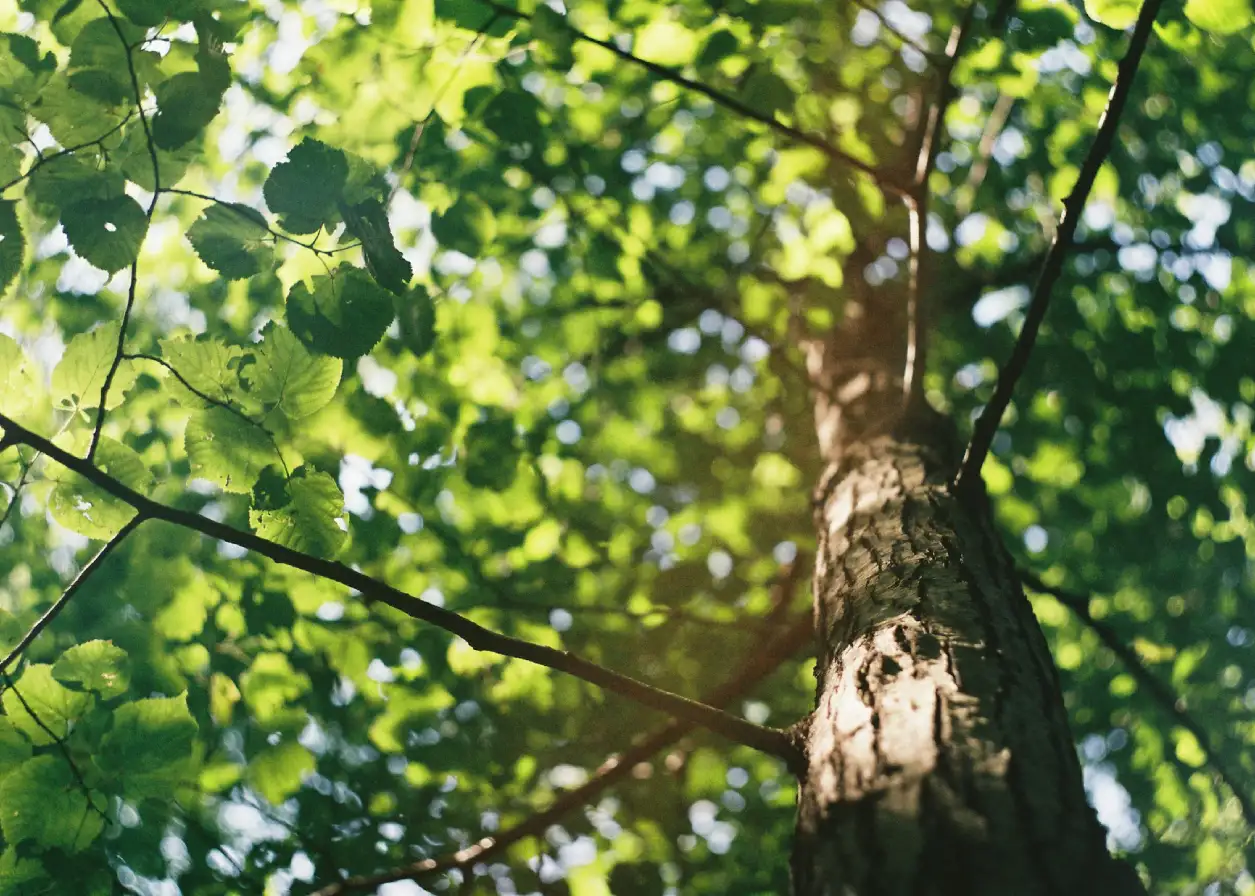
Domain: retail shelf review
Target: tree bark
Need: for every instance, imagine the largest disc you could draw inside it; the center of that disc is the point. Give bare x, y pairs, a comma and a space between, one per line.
939, 758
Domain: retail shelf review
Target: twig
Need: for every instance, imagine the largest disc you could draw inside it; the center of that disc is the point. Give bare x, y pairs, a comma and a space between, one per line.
1159, 692
917, 208
902, 37
66, 151
152, 205
768, 740
60, 742
63, 601
312, 245
991, 416
880, 178
760, 664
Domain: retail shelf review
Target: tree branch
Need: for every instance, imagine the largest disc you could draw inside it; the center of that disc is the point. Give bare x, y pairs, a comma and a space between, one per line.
1159, 692
987, 426
63, 601
768, 740
666, 73
761, 663
917, 208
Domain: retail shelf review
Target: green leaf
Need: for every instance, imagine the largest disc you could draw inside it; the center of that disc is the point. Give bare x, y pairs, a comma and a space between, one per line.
492, 452
22, 69
148, 13
15, 872
74, 117
305, 517
767, 92
89, 510
233, 239
1118, 14
303, 190
98, 63
226, 450
98, 666
287, 377
345, 315
42, 801
67, 180
719, 46
209, 366
416, 315
514, 116
186, 104
79, 377
368, 222
467, 227
1219, 16
106, 232
55, 706
21, 383
14, 748
473, 16
276, 772
12, 244
150, 746
134, 159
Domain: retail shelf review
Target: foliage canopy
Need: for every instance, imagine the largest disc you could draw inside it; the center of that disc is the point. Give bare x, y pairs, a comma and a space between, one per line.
504, 307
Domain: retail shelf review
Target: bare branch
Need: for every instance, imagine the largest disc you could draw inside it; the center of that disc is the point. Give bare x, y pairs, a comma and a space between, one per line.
74, 587
1158, 691
991, 416
761, 663
917, 207
880, 178
768, 740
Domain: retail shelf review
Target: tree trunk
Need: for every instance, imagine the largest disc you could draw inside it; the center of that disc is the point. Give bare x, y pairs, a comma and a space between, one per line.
939, 755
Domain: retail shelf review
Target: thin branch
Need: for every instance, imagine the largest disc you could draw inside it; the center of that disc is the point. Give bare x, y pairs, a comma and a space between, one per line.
1159, 692
768, 740
901, 36
60, 742
312, 245
63, 601
152, 205
987, 426
760, 664
917, 208
66, 151
994, 126
880, 178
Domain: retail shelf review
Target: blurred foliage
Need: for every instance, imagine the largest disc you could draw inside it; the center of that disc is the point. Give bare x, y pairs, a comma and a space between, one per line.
468, 298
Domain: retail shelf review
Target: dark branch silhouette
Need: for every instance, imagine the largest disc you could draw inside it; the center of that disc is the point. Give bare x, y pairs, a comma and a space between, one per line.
756, 667
991, 416
769, 740
1158, 691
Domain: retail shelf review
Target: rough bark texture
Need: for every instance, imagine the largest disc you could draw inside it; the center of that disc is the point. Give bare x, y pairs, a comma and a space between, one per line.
940, 758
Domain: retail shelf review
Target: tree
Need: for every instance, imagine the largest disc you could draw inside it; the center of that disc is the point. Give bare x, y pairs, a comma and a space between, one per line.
461, 396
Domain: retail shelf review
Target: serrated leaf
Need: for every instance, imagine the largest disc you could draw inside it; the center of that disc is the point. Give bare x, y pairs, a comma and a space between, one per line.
42, 801
209, 366
12, 244
55, 706
150, 746
134, 160
69, 179
20, 386
148, 13
14, 747
467, 226
186, 104
74, 117
98, 666
416, 316
233, 239
303, 190
15, 872
368, 222
286, 376
276, 772
80, 375
98, 63
106, 232
89, 510
227, 450
308, 520
22, 69
1219, 16
345, 315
